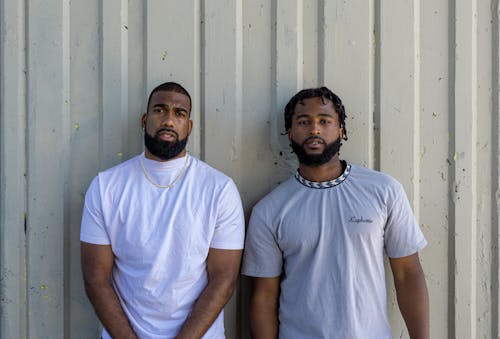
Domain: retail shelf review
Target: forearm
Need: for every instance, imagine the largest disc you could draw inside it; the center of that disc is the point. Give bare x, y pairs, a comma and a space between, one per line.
206, 309
413, 302
263, 318
109, 310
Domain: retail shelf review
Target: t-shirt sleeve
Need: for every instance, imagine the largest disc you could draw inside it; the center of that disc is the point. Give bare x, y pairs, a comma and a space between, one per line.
262, 256
403, 236
229, 231
93, 228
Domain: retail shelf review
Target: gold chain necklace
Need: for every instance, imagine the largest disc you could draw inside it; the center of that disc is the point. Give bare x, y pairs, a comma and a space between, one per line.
181, 172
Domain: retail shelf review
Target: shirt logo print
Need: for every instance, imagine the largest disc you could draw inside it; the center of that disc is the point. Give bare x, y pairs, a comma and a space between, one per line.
359, 220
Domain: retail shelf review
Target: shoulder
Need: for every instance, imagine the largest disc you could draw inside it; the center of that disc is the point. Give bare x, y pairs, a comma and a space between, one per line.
278, 196
206, 171
370, 182
120, 168
209, 175
370, 177
118, 174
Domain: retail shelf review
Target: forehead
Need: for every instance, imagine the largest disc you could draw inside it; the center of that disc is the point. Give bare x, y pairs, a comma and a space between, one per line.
170, 98
314, 106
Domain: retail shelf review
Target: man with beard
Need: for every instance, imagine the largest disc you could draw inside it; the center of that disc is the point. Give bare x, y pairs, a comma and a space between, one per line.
162, 234
315, 244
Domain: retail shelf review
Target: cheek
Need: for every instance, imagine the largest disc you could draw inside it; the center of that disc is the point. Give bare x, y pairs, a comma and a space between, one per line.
151, 126
185, 127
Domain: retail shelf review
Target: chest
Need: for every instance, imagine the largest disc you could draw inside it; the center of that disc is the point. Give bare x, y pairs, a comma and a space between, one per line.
330, 219
145, 224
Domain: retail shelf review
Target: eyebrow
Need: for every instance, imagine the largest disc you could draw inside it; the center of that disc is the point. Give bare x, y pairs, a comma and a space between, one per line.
304, 115
178, 107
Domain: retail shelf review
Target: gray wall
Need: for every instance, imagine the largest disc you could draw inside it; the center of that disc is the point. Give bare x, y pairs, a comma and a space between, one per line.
420, 81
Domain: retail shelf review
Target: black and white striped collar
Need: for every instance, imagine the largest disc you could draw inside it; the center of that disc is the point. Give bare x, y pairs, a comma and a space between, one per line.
323, 184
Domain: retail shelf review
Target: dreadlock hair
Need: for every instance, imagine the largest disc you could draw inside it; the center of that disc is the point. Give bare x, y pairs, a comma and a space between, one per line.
321, 92
169, 87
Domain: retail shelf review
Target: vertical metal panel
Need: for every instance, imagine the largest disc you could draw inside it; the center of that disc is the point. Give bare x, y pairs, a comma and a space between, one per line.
258, 110
483, 144
434, 153
137, 42
48, 150
464, 192
399, 93
310, 42
287, 76
12, 170
173, 56
347, 67
84, 157
495, 170
420, 82
114, 49
400, 106
222, 109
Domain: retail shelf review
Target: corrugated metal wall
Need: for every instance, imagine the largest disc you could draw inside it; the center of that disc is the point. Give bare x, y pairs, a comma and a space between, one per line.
420, 81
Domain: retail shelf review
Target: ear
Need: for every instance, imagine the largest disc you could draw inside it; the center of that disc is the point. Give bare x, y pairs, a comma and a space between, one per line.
144, 118
341, 133
190, 126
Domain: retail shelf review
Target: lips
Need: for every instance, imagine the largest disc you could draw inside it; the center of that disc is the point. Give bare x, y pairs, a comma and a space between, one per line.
314, 142
167, 135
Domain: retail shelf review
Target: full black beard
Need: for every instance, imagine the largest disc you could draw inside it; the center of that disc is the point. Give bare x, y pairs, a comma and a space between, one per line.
165, 150
316, 159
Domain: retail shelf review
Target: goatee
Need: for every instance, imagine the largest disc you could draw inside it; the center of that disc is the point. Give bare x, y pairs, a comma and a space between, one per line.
315, 159
165, 150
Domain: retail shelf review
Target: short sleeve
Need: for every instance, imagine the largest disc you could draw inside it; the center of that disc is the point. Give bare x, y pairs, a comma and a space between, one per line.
262, 257
402, 235
229, 231
93, 228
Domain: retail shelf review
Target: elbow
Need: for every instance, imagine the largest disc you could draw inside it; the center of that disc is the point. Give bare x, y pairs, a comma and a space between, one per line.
93, 285
225, 287
229, 287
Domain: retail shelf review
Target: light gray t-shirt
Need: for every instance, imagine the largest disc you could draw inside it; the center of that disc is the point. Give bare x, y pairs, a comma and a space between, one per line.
328, 243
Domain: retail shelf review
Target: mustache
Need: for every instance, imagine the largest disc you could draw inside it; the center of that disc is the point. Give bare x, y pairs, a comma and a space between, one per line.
313, 137
166, 129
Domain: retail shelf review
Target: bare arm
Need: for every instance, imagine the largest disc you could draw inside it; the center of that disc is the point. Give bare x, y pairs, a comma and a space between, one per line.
223, 267
264, 308
97, 263
412, 295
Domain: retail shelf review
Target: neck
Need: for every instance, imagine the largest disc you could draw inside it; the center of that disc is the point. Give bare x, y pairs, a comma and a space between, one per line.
151, 156
329, 171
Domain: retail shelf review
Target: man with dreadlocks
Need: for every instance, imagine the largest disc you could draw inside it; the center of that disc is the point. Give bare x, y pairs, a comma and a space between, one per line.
315, 244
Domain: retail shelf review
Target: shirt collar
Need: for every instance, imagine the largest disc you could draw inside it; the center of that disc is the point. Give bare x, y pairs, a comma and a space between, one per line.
323, 184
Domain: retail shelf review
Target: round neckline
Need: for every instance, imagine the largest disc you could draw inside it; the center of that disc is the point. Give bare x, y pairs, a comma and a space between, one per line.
154, 165
324, 184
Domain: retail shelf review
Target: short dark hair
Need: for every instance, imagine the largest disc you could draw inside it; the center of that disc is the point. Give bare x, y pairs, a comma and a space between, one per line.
321, 92
170, 87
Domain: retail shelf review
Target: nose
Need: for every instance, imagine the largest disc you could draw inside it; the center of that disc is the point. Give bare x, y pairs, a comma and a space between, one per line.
315, 130
168, 119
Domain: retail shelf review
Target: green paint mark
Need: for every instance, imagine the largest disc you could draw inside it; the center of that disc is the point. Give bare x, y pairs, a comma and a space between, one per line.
164, 55
43, 287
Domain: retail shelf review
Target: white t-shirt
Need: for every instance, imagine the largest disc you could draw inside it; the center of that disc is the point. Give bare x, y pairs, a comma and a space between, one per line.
161, 237
327, 244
